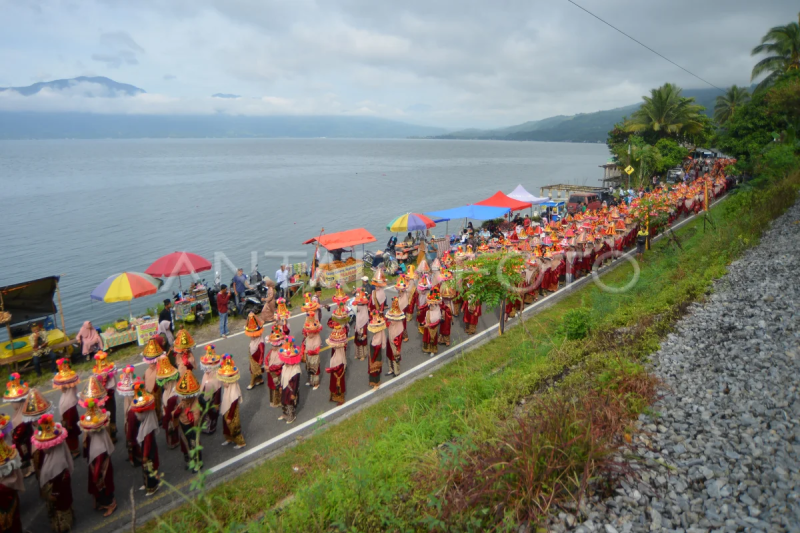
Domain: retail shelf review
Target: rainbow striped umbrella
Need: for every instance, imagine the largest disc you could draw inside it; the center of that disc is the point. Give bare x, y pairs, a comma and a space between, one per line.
126, 287
410, 222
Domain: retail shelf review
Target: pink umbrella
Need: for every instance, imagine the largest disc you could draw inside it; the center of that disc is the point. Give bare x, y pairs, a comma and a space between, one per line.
178, 264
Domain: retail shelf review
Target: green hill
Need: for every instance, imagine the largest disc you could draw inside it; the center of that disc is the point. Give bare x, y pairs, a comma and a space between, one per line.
583, 127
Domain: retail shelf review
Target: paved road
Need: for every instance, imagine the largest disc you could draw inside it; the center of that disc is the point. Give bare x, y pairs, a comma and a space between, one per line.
261, 427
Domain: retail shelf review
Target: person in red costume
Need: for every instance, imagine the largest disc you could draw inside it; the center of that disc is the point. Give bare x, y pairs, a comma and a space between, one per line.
433, 317
255, 331
472, 312
395, 331
143, 405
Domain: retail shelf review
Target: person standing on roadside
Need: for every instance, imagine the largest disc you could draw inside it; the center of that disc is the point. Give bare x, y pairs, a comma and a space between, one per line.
166, 314
239, 285
282, 281
223, 297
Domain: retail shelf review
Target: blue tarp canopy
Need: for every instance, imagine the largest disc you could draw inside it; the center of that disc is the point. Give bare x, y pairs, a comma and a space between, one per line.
552, 204
472, 211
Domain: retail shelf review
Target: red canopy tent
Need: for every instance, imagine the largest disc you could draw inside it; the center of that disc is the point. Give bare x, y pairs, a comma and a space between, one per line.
501, 200
343, 239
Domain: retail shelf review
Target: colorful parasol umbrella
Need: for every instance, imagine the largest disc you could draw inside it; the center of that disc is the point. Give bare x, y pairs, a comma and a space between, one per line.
410, 222
178, 264
126, 287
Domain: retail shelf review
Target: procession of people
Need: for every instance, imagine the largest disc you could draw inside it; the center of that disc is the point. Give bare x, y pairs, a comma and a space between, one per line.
169, 396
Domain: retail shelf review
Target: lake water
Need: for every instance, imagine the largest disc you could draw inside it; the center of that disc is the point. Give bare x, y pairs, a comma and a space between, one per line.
87, 209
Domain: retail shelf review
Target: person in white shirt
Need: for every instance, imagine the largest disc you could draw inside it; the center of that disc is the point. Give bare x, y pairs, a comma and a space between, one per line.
282, 281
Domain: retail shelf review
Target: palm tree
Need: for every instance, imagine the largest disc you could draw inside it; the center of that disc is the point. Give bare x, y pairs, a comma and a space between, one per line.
667, 113
727, 104
782, 43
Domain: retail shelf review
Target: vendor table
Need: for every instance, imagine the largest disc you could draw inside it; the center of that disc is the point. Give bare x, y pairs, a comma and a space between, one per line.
118, 338
184, 308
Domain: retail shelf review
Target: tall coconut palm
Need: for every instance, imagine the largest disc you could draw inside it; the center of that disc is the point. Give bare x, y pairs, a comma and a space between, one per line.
727, 104
666, 113
782, 43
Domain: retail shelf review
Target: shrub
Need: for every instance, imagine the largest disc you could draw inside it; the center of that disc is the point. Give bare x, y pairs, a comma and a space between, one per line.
577, 323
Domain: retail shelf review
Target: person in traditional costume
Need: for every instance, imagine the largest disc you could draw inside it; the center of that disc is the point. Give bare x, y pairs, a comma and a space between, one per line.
363, 305
184, 358
255, 331
433, 318
422, 302
228, 375
436, 273
17, 393
396, 320
282, 316
338, 343
189, 417
377, 299
275, 365
66, 380
377, 326
99, 450
105, 372
268, 311
290, 380
413, 298
152, 352
530, 275
144, 406
472, 312
448, 292
11, 484
211, 397
167, 377
54, 469
131, 423
35, 406
403, 301
310, 349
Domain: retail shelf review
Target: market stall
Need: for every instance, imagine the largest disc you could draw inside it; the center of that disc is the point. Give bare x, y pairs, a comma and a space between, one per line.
139, 331
24, 304
346, 271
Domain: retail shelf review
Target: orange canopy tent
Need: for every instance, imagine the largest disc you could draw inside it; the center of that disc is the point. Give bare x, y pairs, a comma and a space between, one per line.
499, 199
343, 239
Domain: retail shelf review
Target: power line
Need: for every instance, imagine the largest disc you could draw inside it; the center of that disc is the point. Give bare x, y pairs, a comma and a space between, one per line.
645, 46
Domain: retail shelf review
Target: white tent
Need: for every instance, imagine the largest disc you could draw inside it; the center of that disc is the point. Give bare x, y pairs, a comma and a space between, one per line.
524, 196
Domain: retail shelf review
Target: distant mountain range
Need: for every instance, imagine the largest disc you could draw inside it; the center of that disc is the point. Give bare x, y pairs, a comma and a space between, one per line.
583, 127
121, 89
60, 125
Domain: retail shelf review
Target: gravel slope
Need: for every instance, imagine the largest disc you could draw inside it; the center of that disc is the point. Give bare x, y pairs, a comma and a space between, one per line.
724, 451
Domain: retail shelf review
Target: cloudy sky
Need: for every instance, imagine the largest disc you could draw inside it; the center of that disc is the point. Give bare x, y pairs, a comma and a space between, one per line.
451, 63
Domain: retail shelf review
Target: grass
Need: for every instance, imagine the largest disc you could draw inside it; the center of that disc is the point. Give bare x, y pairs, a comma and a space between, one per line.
390, 467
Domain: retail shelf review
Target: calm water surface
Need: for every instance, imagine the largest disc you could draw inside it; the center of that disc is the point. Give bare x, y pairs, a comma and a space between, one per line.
88, 209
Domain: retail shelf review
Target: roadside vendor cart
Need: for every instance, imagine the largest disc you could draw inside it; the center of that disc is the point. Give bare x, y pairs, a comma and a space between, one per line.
139, 331
22, 305
347, 271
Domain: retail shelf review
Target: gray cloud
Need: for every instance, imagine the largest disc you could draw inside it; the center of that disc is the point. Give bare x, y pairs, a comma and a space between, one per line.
119, 49
120, 40
170, 77
472, 63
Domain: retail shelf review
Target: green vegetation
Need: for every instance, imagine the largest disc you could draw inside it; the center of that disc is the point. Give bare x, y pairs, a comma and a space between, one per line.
782, 43
667, 114
728, 103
